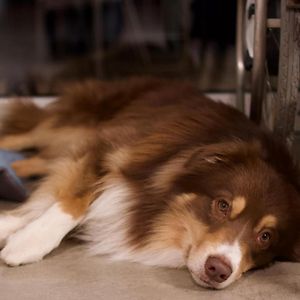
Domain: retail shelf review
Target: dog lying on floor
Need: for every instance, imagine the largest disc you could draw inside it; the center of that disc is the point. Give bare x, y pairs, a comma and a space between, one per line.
151, 171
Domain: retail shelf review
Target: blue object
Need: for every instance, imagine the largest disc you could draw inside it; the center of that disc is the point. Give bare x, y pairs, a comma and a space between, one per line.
11, 187
6, 158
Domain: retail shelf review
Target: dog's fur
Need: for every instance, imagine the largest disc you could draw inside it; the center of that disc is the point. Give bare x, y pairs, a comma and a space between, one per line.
152, 171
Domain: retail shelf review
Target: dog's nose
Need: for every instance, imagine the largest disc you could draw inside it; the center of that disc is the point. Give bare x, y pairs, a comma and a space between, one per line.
216, 269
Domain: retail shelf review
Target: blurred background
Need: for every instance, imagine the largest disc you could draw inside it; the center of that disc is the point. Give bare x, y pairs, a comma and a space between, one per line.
46, 43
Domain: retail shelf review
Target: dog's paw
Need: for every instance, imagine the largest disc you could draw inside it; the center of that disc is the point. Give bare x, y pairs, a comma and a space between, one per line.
8, 225
38, 238
16, 257
27, 245
23, 248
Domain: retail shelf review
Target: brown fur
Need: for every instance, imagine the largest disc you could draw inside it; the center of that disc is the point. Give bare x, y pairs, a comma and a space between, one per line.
33, 166
178, 152
268, 221
22, 116
238, 205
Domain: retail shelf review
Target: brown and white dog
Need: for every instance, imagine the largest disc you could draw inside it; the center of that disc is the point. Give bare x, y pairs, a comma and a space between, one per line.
151, 171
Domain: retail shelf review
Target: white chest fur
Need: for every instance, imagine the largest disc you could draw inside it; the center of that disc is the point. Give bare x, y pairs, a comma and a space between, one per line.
106, 229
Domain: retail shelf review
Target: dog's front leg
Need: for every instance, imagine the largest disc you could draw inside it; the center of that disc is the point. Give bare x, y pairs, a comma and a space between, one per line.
39, 237
70, 200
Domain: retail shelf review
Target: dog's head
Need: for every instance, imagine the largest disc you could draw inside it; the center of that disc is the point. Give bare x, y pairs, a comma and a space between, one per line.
235, 209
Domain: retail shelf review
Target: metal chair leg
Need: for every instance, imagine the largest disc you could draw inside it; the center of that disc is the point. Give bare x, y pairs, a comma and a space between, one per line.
258, 72
240, 50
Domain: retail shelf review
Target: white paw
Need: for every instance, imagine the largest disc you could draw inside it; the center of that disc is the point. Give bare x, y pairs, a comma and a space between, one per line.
25, 247
8, 225
38, 238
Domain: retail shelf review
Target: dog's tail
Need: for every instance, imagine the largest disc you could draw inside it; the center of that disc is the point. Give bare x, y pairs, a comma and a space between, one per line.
21, 115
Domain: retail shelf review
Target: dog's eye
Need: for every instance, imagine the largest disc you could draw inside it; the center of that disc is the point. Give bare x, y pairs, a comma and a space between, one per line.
264, 238
223, 206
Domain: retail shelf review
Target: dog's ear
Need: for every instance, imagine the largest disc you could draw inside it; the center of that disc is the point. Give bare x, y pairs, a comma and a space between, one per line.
224, 153
206, 164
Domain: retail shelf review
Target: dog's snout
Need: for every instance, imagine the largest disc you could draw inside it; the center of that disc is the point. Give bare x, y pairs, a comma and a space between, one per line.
217, 270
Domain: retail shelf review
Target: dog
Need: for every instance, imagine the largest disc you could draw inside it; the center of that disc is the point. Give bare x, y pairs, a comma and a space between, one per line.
152, 171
